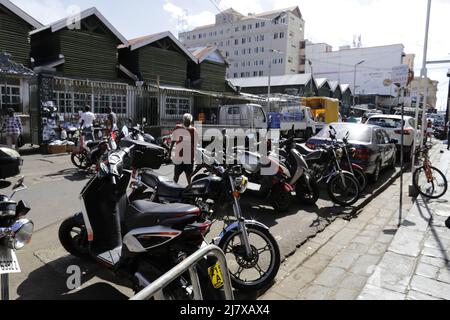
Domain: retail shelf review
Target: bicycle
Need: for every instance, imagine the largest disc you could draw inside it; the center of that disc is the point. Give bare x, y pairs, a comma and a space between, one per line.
428, 180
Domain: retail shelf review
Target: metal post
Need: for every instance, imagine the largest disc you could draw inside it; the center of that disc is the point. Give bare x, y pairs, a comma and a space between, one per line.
195, 283
423, 75
448, 104
402, 140
270, 74
4, 284
354, 87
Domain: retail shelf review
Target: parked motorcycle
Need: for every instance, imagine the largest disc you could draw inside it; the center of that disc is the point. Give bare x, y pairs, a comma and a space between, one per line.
246, 243
138, 240
89, 153
15, 233
325, 165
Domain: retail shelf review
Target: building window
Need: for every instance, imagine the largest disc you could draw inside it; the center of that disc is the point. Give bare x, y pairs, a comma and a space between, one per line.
243, 64
244, 28
261, 62
247, 74
261, 37
263, 24
249, 39
236, 29
249, 50
262, 49
280, 61
255, 73
281, 35
228, 42
248, 64
204, 35
194, 37
11, 97
227, 54
200, 36
221, 31
256, 50
255, 63
261, 73
243, 51
243, 40
176, 107
189, 37
221, 43
249, 27
257, 25
236, 52
302, 44
275, 36
242, 75
235, 75
236, 41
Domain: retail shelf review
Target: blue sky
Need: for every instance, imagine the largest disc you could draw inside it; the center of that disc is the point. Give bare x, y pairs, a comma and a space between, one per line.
379, 22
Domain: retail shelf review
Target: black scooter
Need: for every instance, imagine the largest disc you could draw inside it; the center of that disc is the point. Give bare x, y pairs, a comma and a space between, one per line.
137, 240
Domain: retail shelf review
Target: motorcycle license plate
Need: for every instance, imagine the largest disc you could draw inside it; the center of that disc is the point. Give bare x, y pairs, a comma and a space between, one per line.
8, 261
215, 274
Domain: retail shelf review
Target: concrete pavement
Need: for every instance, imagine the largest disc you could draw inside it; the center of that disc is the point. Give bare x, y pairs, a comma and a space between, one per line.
371, 257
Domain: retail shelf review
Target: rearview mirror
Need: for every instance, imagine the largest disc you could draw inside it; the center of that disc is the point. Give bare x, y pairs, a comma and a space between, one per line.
19, 183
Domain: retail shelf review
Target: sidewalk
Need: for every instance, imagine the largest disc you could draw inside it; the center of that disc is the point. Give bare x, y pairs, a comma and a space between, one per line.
369, 257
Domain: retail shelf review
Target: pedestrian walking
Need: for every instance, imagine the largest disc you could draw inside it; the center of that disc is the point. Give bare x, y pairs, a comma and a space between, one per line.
429, 131
87, 123
185, 138
352, 118
112, 121
12, 127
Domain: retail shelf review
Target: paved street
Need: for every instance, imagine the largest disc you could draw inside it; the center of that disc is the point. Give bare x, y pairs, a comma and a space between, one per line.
370, 257
54, 186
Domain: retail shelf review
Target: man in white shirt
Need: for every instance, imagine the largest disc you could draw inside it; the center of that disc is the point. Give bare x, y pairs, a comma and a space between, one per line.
87, 123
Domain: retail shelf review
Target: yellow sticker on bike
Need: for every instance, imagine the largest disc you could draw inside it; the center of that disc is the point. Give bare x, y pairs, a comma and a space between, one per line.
215, 274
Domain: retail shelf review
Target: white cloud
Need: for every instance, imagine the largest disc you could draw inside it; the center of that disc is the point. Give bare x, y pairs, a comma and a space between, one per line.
178, 15
244, 7
45, 11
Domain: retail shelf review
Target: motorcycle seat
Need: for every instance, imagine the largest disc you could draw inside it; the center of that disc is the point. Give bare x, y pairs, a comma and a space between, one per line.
143, 213
304, 150
169, 189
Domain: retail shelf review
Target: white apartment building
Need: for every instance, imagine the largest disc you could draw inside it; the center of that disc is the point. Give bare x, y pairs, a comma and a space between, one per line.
370, 75
255, 44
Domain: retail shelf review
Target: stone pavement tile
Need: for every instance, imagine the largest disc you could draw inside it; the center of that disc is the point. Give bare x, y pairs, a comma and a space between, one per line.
324, 236
344, 259
337, 225
379, 221
369, 233
393, 272
293, 284
330, 277
378, 248
441, 232
407, 242
431, 287
441, 209
357, 224
365, 265
437, 253
317, 262
271, 295
438, 243
330, 249
373, 227
363, 240
385, 237
346, 294
353, 281
415, 295
438, 262
359, 248
315, 292
439, 221
371, 292
292, 262
344, 236
444, 275
427, 270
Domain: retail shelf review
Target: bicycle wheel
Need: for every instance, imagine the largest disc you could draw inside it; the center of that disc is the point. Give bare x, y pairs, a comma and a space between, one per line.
434, 186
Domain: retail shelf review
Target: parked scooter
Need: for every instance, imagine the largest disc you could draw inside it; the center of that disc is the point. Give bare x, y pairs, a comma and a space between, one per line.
247, 243
139, 240
15, 233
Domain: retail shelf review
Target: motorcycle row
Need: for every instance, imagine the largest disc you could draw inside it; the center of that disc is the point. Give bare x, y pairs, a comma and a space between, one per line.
143, 234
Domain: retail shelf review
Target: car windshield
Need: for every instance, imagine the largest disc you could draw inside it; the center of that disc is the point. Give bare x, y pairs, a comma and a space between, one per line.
386, 122
357, 132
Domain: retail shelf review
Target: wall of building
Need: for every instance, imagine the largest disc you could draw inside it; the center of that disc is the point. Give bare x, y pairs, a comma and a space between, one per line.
340, 66
257, 37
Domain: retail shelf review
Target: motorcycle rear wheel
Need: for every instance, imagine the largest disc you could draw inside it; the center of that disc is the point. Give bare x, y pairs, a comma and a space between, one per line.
280, 199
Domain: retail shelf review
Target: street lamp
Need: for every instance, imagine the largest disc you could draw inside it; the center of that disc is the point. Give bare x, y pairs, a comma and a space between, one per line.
312, 74
354, 82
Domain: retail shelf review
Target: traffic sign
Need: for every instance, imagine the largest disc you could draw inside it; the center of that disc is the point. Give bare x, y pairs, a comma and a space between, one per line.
400, 75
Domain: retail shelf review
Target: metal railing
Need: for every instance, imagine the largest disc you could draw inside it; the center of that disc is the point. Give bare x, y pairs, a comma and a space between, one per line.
189, 264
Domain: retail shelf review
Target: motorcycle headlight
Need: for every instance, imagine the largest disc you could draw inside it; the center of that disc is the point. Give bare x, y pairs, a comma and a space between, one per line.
103, 170
22, 232
339, 153
241, 184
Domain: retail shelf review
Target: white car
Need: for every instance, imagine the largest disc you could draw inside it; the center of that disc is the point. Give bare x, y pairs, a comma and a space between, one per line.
392, 125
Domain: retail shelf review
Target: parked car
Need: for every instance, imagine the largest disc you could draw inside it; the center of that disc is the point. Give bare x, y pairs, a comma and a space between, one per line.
375, 150
392, 125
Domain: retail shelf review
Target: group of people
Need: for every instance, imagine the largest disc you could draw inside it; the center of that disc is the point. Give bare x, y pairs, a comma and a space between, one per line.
88, 118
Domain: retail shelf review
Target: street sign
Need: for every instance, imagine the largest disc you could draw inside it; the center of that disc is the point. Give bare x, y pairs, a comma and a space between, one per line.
400, 75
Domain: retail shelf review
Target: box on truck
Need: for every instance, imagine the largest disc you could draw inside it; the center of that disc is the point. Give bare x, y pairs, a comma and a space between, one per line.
324, 110
298, 118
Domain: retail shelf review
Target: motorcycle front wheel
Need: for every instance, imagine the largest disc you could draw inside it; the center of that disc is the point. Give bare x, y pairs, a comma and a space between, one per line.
344, 194
255, 272
80, 160
73, 237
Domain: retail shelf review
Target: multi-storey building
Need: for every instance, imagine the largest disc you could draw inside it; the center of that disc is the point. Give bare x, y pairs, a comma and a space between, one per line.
255, 45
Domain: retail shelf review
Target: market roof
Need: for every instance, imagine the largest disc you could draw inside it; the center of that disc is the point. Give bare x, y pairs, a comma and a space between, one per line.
140, 42
345, 87
63, 23
10, 67
320, 82
210, 53
286, 80
334, 85
22, 14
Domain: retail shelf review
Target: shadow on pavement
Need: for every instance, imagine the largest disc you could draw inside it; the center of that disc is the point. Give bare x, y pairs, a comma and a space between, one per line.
49, 282
71, 174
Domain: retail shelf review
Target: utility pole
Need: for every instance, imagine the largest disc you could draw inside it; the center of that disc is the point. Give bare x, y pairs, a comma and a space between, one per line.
354, 82
312, 75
